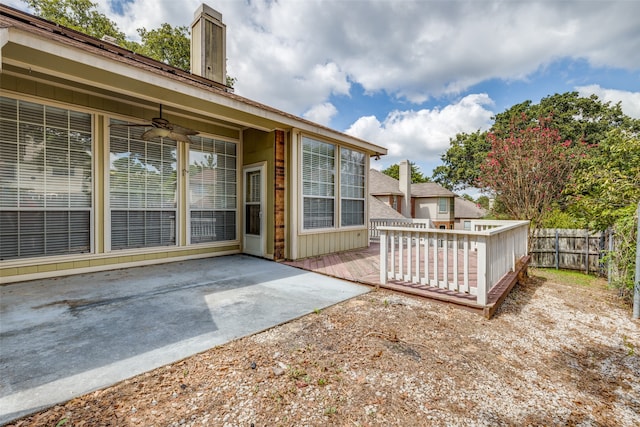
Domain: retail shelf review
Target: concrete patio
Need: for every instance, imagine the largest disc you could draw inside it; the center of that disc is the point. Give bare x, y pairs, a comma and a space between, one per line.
64, 337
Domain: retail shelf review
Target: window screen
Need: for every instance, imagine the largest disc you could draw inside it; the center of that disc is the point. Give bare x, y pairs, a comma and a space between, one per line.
352, 169
212, 190
142, 189
45, 180
318, 182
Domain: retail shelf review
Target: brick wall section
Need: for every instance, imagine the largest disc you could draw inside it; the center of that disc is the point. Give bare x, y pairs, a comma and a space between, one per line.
279, 239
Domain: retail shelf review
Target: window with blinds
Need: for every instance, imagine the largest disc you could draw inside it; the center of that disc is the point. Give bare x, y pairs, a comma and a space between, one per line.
443, 205
212, 190
45, 180
352, 178
142, 189
318, 182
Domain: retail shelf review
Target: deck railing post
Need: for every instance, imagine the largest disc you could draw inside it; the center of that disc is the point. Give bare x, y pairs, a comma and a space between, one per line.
383, 256
482, 270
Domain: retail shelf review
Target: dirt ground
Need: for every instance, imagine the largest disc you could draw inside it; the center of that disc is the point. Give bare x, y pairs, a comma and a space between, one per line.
555, 354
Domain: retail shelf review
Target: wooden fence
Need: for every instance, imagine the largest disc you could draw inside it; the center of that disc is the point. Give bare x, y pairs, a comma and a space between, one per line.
570, 249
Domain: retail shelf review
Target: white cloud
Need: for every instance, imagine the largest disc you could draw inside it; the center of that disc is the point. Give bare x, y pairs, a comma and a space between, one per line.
422, 136
629, 101
294, 55
321, 113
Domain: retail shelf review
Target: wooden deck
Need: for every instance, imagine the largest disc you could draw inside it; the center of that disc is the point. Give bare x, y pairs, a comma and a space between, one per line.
363, 266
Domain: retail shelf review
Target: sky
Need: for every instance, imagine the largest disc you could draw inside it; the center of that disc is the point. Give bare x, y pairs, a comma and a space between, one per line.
411, 74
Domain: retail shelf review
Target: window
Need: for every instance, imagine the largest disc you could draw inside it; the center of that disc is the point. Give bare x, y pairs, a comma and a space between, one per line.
142, 189
318, 183
45, 180
467, 225
443, 204
212, 190
352, 169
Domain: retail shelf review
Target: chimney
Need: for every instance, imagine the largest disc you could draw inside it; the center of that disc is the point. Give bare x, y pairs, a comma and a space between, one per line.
405, 187
209, 45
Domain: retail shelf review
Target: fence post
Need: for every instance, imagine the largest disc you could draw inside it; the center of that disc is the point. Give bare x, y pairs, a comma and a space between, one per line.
557, 249
636, 286
587, 254
601, 254
609, 264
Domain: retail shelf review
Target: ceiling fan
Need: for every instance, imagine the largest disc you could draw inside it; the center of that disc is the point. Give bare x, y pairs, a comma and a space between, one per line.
161, 127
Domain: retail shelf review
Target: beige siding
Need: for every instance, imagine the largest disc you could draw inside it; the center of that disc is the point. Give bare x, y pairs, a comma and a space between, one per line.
92, 101
426, 208
337, 241
106, 262
258, 146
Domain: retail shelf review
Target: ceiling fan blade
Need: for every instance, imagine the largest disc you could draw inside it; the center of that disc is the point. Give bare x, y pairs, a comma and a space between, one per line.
156, 132
183, 130
179, 137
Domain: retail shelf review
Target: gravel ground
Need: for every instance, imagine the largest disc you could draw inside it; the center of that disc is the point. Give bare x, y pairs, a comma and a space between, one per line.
556, 353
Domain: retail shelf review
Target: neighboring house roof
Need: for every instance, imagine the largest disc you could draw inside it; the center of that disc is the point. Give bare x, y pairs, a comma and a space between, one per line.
40, 35
430, 189
379, 209
467, 209
381, 184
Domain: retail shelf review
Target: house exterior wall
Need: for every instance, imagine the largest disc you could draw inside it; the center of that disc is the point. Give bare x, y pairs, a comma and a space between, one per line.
101, 257
425, 208
132, 178
259, 146
428, 208
328, 242
307, 242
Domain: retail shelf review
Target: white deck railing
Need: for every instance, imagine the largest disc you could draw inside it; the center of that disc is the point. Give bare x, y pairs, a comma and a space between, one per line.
462, 261
374, 223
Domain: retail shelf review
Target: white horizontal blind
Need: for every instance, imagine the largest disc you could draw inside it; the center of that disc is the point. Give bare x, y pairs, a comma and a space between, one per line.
318, 183
352, 169
45, 180
142, 189
212, 190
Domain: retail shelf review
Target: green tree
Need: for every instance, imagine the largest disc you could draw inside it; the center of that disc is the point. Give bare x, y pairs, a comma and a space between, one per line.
416, 176
483, 201
528, 168
79, 15
167, 44
606, 187
461, 162
605, 191
578, 119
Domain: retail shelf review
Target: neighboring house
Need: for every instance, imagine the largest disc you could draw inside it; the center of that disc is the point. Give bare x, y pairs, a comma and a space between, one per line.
465, 212
424, 200
81, 189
